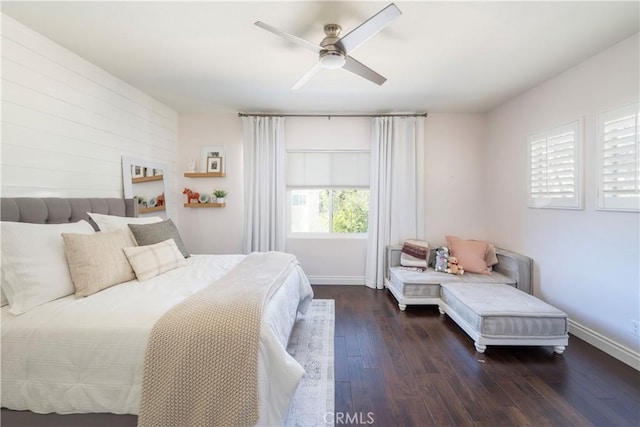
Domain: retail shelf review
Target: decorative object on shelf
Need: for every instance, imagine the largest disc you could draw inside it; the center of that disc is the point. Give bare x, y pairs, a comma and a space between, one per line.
206, 152
137, 171
191, 195
153, 202
157, 172
204, 198
160, 200
148, 171
141, 200
191, 165
214, 164
220, 195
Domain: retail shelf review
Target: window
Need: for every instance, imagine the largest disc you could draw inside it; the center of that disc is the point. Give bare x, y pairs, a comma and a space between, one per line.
618, 160
328, 192
555, 177
329, 211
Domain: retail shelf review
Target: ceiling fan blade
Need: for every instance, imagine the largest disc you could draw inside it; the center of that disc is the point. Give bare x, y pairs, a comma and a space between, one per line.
362, 70
312, 72
368, 28
295, 39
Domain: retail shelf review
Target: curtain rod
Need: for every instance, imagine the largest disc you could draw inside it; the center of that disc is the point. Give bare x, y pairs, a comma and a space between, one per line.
334, 115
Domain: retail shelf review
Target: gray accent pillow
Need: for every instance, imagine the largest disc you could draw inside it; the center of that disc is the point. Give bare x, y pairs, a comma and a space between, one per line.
149, 234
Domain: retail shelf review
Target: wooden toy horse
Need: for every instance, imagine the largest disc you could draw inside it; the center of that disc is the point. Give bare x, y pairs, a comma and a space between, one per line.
160, 200
191, 195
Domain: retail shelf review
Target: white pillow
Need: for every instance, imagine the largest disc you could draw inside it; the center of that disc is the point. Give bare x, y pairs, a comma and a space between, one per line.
152, 260
113, 223
34, 263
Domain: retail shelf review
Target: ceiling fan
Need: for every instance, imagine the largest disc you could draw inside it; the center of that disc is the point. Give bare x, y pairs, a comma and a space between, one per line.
334, 51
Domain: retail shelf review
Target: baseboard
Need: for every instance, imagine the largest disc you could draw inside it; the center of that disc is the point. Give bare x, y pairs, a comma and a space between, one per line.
603, 343
336, 280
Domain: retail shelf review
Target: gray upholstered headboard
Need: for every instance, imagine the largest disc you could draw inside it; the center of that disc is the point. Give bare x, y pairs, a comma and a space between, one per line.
61, 210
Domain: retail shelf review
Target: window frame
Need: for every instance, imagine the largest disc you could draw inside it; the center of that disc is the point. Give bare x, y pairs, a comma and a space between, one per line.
603, 203
571, 203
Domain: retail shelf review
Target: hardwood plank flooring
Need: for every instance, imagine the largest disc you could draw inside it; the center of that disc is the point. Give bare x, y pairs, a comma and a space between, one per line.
418, 368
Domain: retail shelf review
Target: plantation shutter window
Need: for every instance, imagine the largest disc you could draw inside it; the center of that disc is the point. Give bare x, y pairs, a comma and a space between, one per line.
618, 143
555, 167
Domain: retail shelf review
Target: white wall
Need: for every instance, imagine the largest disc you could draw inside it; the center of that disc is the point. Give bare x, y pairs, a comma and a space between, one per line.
66, 123
455, 197
211, 230
586, 261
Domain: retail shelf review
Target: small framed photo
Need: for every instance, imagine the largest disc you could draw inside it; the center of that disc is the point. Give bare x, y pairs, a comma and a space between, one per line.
206, 153
137, 171
214, 164
157, 172
148, 171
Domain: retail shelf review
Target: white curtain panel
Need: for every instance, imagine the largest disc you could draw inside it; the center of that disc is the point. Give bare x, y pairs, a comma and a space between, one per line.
396, 206
264, 184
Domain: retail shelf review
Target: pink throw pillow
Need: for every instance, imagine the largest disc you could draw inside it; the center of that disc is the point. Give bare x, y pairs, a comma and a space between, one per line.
470, 253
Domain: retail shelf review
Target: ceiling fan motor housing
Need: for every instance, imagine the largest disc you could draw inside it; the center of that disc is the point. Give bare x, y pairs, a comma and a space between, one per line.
331, 56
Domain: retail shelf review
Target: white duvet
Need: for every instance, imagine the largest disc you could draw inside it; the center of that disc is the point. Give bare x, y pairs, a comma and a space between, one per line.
86, 355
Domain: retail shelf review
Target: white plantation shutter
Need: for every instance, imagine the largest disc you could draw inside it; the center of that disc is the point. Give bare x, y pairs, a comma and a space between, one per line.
555, 170
618, 142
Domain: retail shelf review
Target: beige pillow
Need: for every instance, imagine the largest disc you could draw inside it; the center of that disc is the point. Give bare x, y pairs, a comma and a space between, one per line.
152, 260
470, 253
97, 261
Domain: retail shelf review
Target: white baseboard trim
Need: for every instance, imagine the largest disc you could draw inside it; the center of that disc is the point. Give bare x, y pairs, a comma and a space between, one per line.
603, 343
336, 280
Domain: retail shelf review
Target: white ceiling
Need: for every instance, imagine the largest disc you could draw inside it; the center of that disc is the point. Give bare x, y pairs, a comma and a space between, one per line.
437, 56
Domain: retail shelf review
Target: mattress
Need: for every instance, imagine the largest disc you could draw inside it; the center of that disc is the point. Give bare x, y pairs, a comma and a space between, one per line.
86, 355
427, 283
498, 310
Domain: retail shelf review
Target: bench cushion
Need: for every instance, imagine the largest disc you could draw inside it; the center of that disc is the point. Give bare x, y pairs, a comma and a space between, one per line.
427, 283
499, 310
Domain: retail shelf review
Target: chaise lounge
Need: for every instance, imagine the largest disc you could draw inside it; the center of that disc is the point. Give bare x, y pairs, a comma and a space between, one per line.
493, 309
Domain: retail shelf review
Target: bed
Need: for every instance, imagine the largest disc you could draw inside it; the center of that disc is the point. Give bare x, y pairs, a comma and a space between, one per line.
86, 355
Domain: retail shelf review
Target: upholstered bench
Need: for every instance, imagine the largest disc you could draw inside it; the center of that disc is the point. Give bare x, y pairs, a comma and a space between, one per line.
423, 288
498, 314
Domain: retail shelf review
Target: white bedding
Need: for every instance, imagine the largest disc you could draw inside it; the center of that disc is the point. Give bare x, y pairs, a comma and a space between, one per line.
86, 355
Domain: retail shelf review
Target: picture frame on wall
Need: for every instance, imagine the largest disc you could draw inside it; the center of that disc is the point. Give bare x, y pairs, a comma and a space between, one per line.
137, 171
211, 151
214, 164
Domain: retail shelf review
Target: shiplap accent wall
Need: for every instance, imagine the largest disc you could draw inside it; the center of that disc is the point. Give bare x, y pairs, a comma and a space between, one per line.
66, 123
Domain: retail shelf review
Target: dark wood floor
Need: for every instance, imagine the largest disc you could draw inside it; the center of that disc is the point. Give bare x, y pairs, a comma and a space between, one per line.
418, 368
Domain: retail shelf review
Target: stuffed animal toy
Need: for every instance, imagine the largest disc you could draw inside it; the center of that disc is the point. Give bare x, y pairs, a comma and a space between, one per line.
442, 257
453, 267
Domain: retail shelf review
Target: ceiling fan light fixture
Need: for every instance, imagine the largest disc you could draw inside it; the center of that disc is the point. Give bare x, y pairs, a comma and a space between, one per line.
332, 60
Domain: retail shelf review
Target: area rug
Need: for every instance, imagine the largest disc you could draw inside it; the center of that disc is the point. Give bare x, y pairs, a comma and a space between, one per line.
311, 344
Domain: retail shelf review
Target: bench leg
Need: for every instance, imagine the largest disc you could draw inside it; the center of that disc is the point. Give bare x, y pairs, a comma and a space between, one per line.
559, 349
402, 307
440, 310
480, 348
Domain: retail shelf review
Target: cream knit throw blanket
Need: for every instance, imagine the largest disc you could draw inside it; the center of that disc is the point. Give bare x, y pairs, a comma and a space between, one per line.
201, 362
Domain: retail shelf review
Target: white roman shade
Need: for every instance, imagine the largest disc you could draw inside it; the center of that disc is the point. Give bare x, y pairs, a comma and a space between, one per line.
555, 176
618, 144
328, 169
